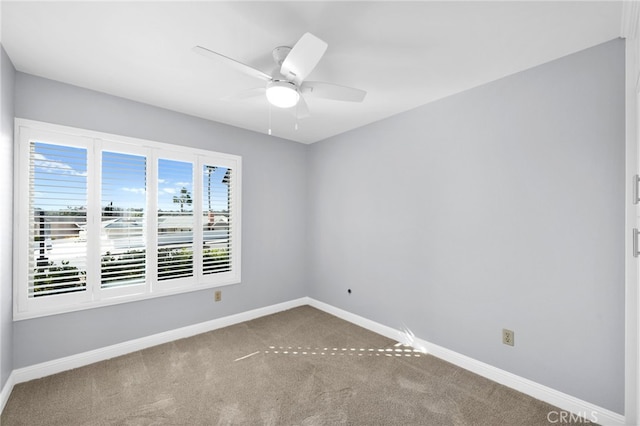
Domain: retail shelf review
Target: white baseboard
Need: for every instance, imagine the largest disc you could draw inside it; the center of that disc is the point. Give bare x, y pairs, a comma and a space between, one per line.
6, 391
561, 400
536, 390
79, 360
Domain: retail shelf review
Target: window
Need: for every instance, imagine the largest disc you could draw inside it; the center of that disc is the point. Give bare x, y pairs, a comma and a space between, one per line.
57, 211
103, 219
175, 225
123, 211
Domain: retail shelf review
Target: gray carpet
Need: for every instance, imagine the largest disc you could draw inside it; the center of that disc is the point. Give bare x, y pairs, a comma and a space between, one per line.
297, 367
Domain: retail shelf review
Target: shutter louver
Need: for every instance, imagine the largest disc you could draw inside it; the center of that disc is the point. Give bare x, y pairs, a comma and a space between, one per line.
57, 207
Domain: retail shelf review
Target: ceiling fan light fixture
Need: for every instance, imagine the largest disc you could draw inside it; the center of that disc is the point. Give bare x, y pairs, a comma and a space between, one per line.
282, 94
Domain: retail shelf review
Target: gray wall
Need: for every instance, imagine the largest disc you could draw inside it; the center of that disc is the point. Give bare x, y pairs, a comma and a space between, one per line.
500, 207
7, 77
273, 221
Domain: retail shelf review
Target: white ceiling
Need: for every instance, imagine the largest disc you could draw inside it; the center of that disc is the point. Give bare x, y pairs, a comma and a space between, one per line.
404, 54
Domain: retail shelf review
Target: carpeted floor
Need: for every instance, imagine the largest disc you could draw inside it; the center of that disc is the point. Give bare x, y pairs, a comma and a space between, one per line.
297, 367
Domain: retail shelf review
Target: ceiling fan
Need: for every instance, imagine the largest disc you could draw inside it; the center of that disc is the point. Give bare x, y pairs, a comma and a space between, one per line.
286, 86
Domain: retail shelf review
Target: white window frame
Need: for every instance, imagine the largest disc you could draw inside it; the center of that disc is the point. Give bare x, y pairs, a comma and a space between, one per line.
26, 131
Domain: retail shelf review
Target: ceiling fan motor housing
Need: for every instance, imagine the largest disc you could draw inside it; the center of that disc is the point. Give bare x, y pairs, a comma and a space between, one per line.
280, 54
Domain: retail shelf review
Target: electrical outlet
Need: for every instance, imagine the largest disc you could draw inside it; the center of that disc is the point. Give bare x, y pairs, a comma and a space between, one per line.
217, 296
507, 337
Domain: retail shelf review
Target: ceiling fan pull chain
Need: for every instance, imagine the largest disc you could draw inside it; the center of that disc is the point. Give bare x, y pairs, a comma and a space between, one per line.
296, 125
269, 118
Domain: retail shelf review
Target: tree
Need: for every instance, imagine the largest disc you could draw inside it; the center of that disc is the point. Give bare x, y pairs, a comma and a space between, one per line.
183, 198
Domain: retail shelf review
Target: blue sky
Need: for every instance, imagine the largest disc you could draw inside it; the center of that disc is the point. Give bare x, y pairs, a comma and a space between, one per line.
123, 180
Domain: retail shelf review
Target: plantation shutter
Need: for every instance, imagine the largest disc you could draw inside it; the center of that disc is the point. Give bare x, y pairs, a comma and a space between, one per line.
123, 212
175, 219
57, 260
104, 219
217, 219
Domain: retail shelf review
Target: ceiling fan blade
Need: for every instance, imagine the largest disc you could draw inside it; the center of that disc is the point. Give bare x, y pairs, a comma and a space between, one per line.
303, 58
239, 66
302, 109
246, 94
319, 89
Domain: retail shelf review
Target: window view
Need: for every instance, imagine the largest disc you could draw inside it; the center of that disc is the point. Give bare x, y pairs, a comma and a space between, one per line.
122, 237
216, 219
84, 235
58, 218
175, 219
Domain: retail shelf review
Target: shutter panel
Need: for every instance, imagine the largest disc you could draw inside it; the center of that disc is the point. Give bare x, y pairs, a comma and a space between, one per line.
175, 219
217, 217
123, 214
58, 219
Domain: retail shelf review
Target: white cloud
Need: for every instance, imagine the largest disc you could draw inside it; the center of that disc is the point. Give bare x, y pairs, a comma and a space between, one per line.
52, 166
135, 190
169, 190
